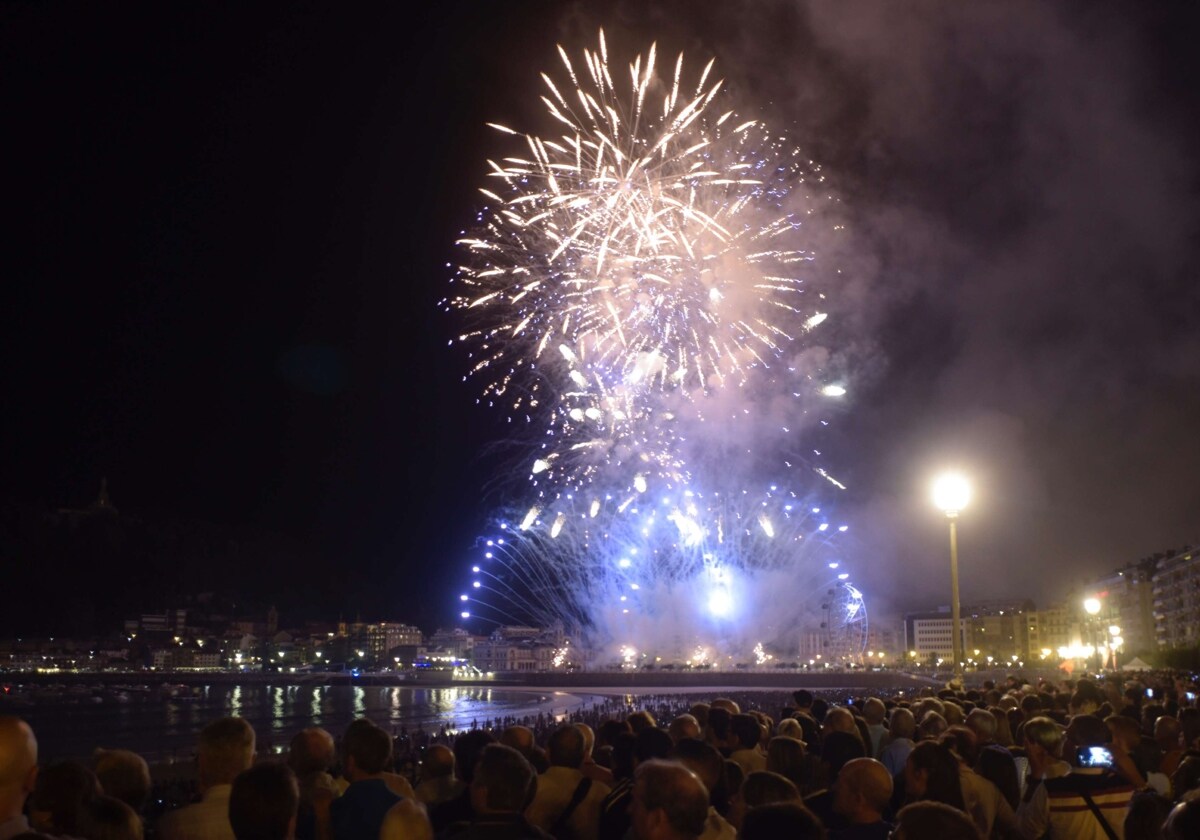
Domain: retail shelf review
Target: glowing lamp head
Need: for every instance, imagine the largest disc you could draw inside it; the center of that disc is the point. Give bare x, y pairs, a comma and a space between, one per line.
1091, 605
951, 493
465, 614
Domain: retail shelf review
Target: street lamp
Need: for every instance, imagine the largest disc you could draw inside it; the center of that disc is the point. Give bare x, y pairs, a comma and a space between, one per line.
951, 493
1092, 607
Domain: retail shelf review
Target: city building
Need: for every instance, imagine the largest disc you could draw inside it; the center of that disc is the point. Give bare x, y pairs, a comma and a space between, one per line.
1176, 599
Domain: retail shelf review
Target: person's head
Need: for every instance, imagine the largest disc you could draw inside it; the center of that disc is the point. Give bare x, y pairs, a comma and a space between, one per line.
785, 756
803, 698
684, 726
763, 787
962, 740
747, 730
922, 820
862, 791
61, 792
311, 751
503, 781
1183, 823
1045, 735
406, 820
837, 748
902, 724
720, 723
1123, 730
367, 750
653, 743
790, 728
931, 772
263, 803
669, 802
520, 738
565, 747
589, 739
1083, 731
225, 749
781, 819
1147, 813
874, 711
932, 727
438, 762
839, 719
124, 775
641, 720
702, 759
467, 749
983, 724
108, 818
1166, 733
18, 765
727, 704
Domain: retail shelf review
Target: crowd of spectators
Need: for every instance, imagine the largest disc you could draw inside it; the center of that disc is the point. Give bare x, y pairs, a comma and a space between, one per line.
1102, 759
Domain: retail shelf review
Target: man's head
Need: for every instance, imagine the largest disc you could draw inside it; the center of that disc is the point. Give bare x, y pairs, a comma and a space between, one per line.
874, 711
934, 819
684, 726
862, 790
702, 759
839, 719
669, 802
467, 748
589, 739
838, 748
263, 803
565, 747
1166, 733
502, 782
312, 751
123, 775
1043, 734
18, 765
803, 698
225, 749
747, 731
781, 819
520, 738
367, 748
902, 724
983, 724
438, 762
1083, 731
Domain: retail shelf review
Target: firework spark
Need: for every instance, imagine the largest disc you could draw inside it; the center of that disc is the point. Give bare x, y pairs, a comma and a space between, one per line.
632, 276
649, 250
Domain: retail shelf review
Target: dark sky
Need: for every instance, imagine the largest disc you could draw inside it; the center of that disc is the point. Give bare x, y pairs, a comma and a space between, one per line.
226, 227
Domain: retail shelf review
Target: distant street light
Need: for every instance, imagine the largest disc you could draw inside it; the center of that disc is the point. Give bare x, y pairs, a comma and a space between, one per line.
952, 493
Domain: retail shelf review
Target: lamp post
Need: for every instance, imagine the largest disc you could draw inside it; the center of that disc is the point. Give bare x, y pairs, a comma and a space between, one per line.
1092, 607
951, 493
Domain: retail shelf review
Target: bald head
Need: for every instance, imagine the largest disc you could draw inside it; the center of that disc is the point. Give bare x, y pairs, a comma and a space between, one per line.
312, 751
520, 738
438, 762
838, 719
863, 790
684, 726
18, 765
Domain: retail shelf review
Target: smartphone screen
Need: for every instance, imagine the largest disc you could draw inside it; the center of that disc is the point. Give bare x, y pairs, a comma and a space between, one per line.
1095, 757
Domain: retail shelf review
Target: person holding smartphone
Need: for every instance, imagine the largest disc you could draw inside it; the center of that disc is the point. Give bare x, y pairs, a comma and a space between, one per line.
1083, 797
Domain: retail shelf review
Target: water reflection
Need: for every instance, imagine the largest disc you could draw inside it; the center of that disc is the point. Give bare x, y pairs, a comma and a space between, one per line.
360, 706
235, 701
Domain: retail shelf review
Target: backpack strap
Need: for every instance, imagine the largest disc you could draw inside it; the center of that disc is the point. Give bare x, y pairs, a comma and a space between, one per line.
1091, 803
581, 792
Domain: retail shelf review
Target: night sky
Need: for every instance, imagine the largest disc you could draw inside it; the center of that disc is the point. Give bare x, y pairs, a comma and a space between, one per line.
226, 230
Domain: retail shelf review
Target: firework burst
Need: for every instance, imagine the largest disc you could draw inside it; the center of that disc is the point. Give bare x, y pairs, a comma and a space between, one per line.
634, 278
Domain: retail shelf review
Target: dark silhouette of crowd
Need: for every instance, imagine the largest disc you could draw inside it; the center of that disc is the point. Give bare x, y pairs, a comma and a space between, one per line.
1090, 758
